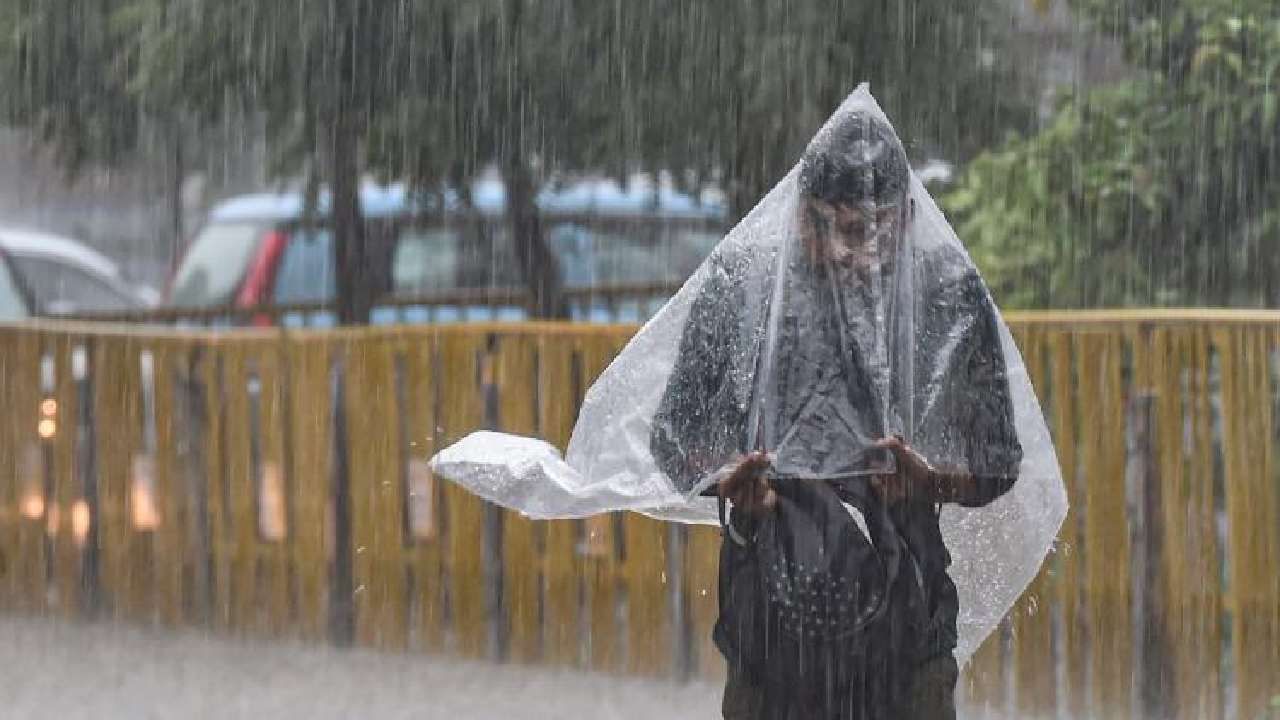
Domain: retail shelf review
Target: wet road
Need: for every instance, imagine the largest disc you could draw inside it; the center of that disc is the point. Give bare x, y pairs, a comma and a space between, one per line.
63, 670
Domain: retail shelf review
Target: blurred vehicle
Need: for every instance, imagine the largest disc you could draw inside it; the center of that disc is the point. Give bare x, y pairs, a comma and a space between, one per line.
59, 276
15, 302
256, 251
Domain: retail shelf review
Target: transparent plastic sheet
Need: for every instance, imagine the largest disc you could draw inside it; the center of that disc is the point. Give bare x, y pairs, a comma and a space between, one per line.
812, 350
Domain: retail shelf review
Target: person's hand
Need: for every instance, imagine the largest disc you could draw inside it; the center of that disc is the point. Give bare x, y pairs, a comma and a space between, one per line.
747, 487
913, 476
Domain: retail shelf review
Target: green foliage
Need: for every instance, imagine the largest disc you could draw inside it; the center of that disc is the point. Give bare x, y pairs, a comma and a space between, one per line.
720, 88
62, 78
1162, 190
431, 91
734, 89
725, 90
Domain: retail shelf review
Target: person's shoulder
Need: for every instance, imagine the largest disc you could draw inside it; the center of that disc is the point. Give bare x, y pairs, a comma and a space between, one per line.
950, 275
732, 254
734, 262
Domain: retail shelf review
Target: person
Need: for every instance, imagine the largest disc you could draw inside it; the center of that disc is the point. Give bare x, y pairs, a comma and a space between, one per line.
885, 387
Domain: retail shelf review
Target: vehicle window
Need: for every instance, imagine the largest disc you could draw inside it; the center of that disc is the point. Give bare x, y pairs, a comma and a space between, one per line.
60, 288
426, 260
573, 245
487, 258
686, 249
12, 305
305, 273
214, 266
643, 253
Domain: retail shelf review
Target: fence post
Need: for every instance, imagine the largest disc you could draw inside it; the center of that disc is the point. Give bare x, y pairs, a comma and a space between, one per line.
86, 450
681, 642
341, 607
195, 470
492, 557
1151, 670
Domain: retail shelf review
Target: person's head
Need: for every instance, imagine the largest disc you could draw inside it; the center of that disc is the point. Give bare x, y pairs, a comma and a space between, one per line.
854, 183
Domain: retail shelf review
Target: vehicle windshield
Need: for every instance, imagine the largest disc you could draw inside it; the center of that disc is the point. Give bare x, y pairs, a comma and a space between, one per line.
425, 260
214, 266
12, 306
60, 288
306, 273
646, 253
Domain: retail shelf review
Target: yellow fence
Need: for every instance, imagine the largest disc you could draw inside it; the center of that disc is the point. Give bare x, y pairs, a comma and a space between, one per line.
274, 483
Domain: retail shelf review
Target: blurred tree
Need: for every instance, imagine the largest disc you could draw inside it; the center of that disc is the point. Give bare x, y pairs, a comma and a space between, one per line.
731, 90
516, 86
319, 71
61, 65
91, 76
1162, 190
722, 92
62, 79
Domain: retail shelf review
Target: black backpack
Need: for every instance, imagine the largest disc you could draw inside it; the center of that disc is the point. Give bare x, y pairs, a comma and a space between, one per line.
818, 615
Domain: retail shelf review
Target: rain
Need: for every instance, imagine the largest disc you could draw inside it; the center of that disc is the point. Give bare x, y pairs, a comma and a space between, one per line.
660, 358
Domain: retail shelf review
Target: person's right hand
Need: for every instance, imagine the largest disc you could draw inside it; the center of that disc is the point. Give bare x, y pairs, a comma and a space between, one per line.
747, 487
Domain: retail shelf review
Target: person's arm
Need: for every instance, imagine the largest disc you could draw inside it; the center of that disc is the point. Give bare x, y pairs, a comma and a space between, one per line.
691, 434
983, 414
750, 494
964, 488
918, 481
994, 452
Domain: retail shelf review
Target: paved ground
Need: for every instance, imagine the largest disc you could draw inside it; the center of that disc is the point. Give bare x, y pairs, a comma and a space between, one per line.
66, 671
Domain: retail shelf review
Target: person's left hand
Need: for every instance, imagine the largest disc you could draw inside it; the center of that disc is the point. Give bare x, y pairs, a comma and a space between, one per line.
913, 474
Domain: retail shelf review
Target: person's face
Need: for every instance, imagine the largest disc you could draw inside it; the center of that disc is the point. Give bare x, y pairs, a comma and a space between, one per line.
851, 236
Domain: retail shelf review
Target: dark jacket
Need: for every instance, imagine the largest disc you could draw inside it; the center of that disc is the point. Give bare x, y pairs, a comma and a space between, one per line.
959, 399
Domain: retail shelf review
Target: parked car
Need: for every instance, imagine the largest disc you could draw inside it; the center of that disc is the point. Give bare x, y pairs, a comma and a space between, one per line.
255, 251
15, 302
58, 276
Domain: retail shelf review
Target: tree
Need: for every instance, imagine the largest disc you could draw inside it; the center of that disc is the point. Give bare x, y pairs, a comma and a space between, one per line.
63, 81
523, 86
321, 73
424, 90
1169, 180
720, 91
68, 86
736, 88
434, 91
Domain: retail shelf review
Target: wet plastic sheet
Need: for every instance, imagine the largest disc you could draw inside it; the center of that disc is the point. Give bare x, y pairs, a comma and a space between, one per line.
841, 310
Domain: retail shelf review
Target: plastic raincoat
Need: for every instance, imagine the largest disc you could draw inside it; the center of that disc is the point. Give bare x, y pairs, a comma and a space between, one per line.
812, 349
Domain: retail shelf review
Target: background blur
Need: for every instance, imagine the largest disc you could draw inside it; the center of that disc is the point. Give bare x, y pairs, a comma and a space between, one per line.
1054, 130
